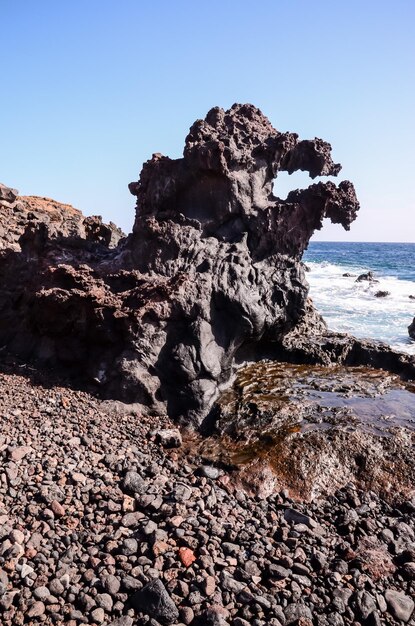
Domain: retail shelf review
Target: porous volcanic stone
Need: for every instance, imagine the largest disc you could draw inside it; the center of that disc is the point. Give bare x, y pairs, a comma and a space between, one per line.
154, 600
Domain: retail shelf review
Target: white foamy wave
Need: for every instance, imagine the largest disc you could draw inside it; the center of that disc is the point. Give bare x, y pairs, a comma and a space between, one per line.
352, 307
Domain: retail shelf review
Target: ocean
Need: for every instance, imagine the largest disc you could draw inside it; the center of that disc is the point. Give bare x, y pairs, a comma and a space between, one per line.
351, 307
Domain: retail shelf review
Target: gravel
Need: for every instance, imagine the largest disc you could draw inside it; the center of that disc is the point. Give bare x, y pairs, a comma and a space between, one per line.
100, 523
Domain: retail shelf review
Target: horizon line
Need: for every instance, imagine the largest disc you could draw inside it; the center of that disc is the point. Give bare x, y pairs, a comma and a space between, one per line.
360, 241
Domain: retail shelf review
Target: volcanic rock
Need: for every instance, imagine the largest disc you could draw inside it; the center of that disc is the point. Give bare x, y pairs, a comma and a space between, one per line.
17, 213
154, 600
169, 438
210, 277
411, 329
400, 605
213, 266
7, 195
367, 276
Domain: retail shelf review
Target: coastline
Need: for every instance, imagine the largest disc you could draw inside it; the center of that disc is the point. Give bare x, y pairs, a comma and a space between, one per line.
356, 308
116, 351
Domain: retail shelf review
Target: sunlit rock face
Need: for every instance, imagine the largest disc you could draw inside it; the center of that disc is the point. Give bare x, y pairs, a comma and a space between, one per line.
211, 270
211, 223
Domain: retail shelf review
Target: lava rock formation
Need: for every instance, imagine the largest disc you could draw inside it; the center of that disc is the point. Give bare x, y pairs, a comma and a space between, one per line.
210, 276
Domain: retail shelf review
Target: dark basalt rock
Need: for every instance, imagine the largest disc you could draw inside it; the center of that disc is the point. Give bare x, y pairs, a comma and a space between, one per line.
154, 600
367, 276
210, 276
382, 294
26, 213
411, 329
211, 219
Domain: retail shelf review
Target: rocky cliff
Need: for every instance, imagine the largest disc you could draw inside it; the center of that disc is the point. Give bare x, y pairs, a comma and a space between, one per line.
210, 276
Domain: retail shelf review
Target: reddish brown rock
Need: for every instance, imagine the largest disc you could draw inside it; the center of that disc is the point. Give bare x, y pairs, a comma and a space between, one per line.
62, 220
18, 453
187, 557
57, 509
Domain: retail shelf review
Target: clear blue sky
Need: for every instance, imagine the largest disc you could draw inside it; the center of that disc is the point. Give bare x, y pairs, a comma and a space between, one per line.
91, 88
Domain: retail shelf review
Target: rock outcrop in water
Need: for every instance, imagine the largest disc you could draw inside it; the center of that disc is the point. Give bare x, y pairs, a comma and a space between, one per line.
212, 267
411, 329
210, 276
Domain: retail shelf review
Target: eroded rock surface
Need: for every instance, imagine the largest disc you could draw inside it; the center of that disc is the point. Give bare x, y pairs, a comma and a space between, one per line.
411, 329
313, 429
18, 213
210, 276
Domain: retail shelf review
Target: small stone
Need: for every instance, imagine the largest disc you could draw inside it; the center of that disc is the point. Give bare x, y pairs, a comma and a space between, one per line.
294, 611
150, 527
111, 584
214, 616
209, 472
57, 508
209, 585
400, 605
232, 585
125, 620
278, 572
128, 504
36, 609
154, 600
104, 601
129, 546
187, 614
365, 603
130, 583
182, 492
56, 587
291, 515
134, 483
252, 568
187, 557
98, 615
7, 600
16, 536
169, 438
160, 547
231, 548
41, 593
18, 453
77, 616
131, 519
26, 570
408, 569
78, 477
4, 581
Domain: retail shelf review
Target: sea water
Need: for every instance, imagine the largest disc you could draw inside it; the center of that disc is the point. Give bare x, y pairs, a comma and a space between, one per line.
352, 307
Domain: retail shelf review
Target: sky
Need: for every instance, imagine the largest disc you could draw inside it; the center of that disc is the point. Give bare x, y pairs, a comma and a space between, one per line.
91, 88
